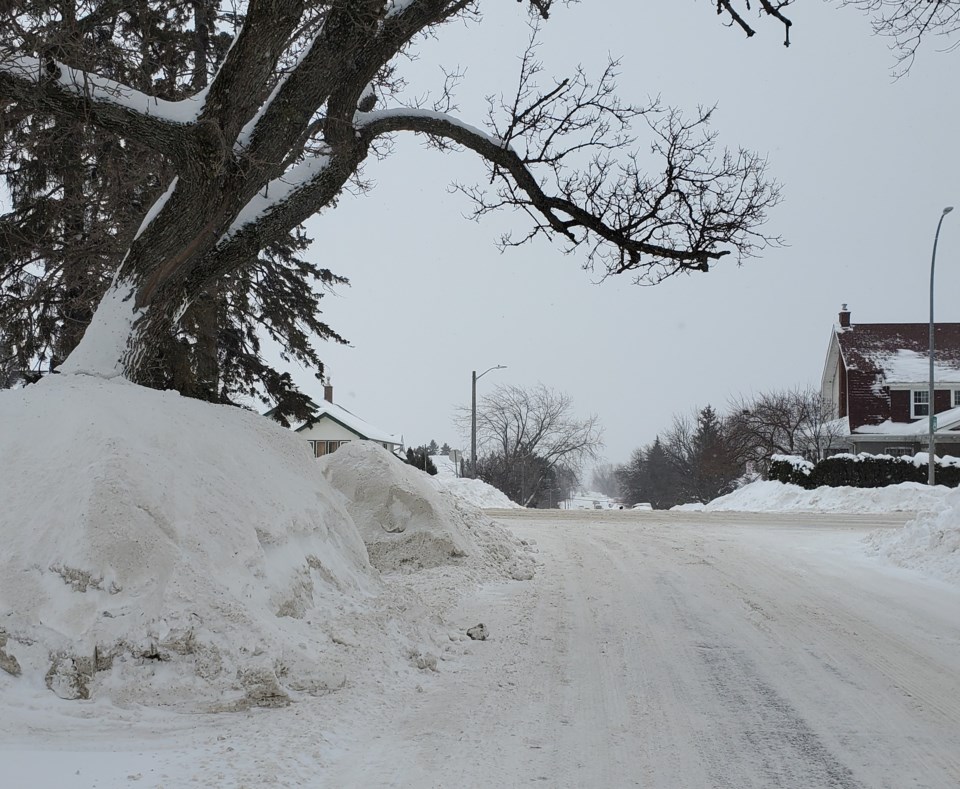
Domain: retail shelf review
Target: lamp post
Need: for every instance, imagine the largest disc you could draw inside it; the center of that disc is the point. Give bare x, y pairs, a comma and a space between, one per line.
473, 416
931, 416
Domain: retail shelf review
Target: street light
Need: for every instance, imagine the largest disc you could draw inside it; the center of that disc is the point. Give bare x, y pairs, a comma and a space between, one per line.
473, 416
931, 416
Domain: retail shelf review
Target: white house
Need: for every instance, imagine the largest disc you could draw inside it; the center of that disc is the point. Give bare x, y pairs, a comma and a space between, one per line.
332, 425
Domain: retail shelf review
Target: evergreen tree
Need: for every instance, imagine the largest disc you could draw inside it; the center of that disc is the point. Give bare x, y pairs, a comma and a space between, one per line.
250, 118
713, 464
78, 195
419, 457
650, 476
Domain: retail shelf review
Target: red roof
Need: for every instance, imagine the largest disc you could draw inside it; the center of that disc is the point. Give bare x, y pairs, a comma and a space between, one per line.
872, 347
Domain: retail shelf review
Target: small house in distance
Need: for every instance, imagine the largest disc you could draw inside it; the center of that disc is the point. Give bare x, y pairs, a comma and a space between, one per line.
331, 425
876, 376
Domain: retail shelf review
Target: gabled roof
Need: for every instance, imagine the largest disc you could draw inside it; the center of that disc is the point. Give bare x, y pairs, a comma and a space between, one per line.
349, 420
899, 352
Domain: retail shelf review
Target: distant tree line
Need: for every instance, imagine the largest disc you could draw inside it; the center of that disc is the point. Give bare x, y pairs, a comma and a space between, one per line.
706, 454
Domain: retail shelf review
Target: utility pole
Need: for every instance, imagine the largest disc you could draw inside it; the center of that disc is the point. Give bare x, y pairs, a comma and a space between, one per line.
473, 416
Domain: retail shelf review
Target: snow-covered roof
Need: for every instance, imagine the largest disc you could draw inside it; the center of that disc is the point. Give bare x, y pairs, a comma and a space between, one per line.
946, 420
899, 352
349, 420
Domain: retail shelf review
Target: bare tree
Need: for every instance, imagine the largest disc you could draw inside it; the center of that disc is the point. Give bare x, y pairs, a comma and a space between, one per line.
604, 480
307, 92
529, 435
788, 422
907, 22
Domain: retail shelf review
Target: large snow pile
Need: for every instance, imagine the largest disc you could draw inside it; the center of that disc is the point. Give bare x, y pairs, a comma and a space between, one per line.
772, 496
477, 493
408, 521
160, 550
929, 543
178, 550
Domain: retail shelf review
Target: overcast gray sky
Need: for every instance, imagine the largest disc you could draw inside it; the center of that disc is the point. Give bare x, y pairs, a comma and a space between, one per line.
866, 162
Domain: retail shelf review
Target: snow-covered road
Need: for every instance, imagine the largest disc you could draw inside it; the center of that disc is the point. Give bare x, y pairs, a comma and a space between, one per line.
691, 651
661, 650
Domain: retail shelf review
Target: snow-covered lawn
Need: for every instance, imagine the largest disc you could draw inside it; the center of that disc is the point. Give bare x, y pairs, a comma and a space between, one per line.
187, 597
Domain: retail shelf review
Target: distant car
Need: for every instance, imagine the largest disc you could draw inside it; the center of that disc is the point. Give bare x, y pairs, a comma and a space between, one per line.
597, 505
643, 505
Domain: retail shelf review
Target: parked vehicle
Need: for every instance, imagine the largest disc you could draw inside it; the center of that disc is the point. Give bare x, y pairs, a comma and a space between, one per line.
643, 505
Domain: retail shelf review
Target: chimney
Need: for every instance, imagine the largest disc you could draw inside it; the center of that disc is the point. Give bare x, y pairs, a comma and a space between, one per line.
328, 392
844, 317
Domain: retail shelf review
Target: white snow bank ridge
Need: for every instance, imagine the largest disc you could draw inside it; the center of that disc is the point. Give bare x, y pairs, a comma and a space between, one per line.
929, 543
475, 492
408, 521
772, 496
160, 550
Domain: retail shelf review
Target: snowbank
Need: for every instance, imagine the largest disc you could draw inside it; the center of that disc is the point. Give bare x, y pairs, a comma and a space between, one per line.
929, 543
771, 496
184, 553
474, 492
477, 493
409, 521
158, 550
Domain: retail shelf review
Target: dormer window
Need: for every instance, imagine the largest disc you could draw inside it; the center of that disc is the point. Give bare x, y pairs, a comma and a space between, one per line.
920, 404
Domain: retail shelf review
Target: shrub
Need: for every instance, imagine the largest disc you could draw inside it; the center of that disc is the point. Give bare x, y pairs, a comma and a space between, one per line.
861, 471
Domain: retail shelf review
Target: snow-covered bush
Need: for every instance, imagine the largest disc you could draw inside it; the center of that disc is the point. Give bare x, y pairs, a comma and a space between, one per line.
862, 470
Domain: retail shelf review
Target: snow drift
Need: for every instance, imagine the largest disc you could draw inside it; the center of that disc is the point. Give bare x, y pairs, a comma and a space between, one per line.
929, 543
159, 550
474, 492
477, 493
174, 548
772, 496
408, 521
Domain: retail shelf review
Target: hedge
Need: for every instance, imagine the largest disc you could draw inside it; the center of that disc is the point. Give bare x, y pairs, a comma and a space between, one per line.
861, 471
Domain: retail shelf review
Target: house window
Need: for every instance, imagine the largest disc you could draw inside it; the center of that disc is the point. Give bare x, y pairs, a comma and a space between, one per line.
321, 448
897, 451
956, 398
921, 403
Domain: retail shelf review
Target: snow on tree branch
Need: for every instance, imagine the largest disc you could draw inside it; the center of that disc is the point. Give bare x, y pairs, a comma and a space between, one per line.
51, 85
283, 114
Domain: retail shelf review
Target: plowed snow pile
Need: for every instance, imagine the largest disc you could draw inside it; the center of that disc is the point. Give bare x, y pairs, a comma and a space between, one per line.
477, 493
929, 543
408, 521
474, 492
164, 551
772, 496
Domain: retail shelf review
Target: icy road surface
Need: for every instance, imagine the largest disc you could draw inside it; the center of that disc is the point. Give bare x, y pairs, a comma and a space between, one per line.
663, 650
669, 650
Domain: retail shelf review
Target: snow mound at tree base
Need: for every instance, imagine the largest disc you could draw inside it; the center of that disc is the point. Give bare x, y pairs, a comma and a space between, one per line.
160, 550
409, 523
929, 543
